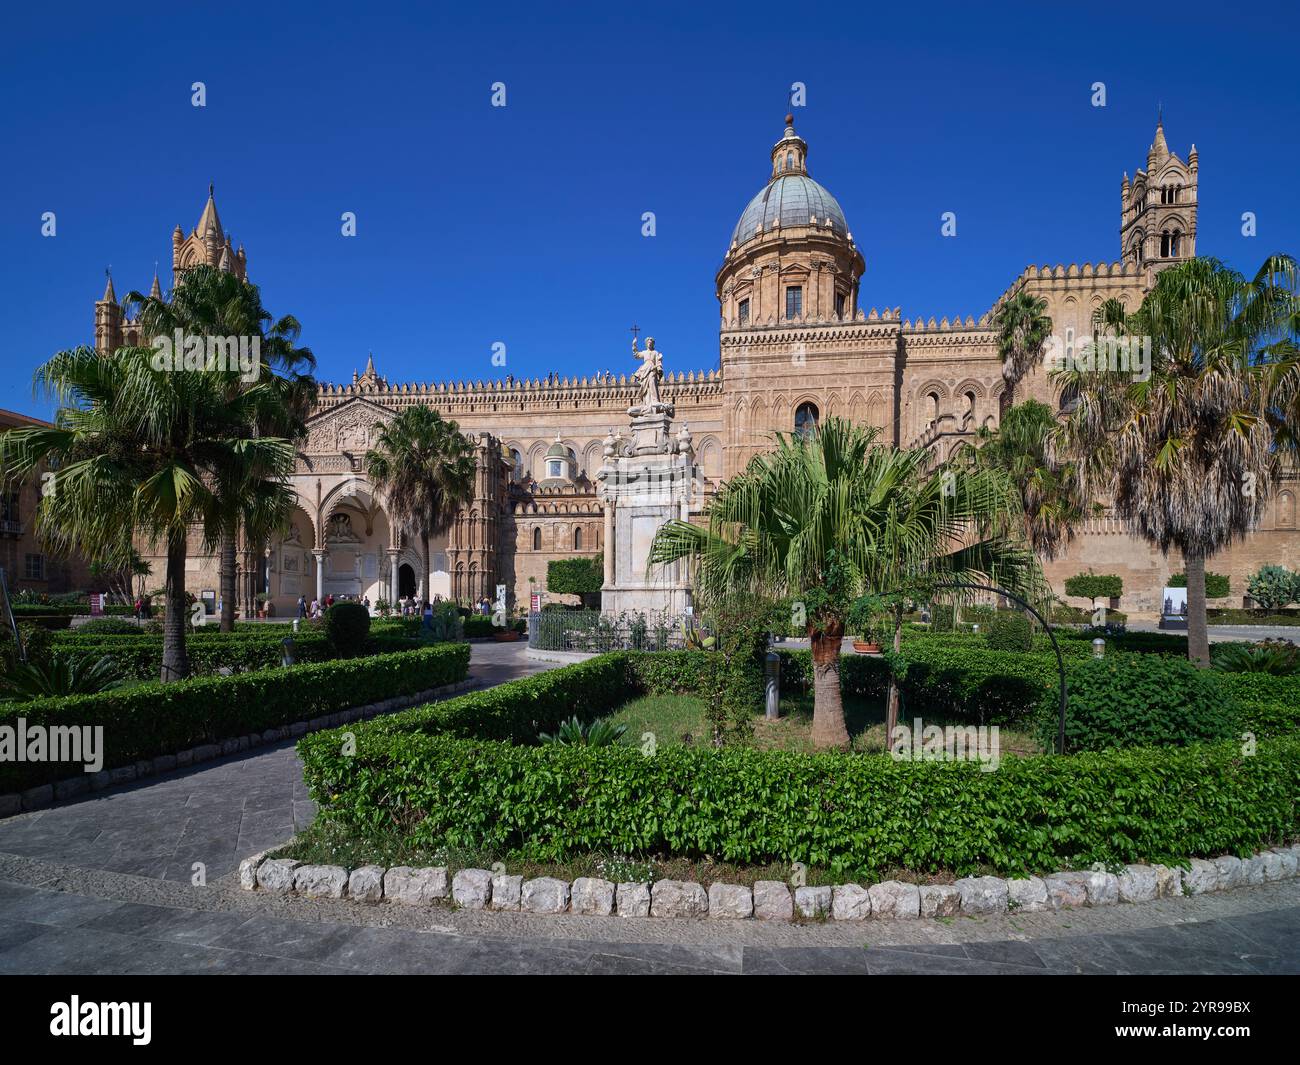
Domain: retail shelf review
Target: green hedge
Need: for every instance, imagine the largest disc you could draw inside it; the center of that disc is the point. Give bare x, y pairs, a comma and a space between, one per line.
1216, 584
25, 610
1095, 585
1269, 706
442, 777
140, 657
154, 719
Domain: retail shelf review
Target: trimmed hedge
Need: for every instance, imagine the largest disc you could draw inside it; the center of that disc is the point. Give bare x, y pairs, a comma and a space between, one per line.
442, 777
1216, 584
1138, 701
140, 657
25, 610
1095, 585
1269, 705
153, 719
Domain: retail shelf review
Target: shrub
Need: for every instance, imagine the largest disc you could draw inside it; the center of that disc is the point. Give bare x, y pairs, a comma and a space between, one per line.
38, 643
346, 627
1273, 587
1008, 632
1095, 585
1279, 657
440, 776
941, 617
108, 627
1269, 705
153, 719
1216, 584
573, 733
582, 577
60, 675
1141, 700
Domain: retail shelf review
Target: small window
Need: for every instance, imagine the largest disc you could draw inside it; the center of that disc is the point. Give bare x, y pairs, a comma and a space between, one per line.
537, 539
34, 567
10, 506
744, 312
517, 460
794, 301
555, 468
840, 303
577, 539
1175, 241
805, 419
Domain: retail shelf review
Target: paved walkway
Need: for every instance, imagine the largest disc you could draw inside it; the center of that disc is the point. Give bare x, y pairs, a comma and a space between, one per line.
104, 886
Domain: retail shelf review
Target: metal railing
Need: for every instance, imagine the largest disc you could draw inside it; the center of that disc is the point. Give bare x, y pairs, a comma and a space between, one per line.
593, 632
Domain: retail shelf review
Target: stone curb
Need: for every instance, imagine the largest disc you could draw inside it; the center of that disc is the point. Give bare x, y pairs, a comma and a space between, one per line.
46, 794
768, 900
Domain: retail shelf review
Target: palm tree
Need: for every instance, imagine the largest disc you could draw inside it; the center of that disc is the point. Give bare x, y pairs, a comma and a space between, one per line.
141, 448
213, 302
1023, 330
832, 514
1187, 453
1051, 499
425, 466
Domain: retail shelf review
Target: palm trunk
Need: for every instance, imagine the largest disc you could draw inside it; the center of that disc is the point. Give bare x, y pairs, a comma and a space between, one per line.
428, 565
828, 729
1198, 634
891, 706
226, 578
175, 666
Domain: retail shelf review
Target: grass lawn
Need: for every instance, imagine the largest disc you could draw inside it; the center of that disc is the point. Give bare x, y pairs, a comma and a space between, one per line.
680, 719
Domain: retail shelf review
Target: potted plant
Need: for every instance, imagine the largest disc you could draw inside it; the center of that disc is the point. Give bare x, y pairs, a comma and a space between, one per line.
866, 618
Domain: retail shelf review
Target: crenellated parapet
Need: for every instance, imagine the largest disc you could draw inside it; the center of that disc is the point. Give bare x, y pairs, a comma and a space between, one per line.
1075, 275
535, 394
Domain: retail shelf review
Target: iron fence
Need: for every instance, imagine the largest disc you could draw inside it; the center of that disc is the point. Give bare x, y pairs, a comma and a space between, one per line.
594, 632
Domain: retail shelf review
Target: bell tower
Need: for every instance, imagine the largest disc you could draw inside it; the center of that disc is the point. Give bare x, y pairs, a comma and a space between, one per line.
1158, 208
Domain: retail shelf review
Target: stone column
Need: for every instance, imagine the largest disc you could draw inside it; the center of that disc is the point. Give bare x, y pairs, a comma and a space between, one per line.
320, 572
393, 557
609, 542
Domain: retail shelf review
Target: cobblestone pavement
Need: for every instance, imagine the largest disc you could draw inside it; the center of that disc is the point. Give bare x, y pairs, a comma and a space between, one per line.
103, 885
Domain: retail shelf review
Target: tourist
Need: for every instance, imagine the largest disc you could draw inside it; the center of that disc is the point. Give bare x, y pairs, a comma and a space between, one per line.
428, 615
302, 606
365, 602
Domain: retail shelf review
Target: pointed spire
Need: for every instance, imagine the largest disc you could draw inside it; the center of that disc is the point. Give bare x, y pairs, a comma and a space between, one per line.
155, 290
109, 295
370, 363
1160, 146
208, 219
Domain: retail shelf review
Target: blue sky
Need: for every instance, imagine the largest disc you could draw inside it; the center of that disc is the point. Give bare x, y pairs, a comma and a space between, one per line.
522, 225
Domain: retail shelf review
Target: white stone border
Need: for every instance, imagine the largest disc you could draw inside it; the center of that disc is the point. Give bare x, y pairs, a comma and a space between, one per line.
768, 900
44, 794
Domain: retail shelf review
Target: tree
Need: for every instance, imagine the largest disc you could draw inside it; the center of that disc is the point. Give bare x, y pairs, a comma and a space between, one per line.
215, 303
141, 448
1023, 330
1051, 497
577, 576
1187, 451
830, 515
425, 467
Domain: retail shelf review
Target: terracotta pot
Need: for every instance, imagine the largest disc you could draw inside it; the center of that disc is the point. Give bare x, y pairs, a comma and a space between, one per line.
866, 648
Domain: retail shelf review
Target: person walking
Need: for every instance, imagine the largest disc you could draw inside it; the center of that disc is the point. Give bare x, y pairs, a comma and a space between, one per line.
302, 606
428, 615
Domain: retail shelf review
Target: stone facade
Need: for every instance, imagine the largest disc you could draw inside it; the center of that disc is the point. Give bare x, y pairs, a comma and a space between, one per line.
796, 345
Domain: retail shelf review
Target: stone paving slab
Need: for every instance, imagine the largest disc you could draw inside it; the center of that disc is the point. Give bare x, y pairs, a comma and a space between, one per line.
103, 885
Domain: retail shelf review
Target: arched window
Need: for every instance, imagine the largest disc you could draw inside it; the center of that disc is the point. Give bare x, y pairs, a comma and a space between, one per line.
537, 539
805, 419
518, 461
577, 539
1164, 244
970, 404
1175, 242
931, 408
789, 160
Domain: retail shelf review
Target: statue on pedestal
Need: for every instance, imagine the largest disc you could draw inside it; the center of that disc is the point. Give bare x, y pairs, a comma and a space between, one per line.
648, 374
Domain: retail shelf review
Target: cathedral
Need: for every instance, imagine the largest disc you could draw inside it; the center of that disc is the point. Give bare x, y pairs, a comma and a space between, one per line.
797, 344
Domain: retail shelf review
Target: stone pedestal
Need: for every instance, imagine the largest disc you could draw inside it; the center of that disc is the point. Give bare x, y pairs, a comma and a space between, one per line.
646, 481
